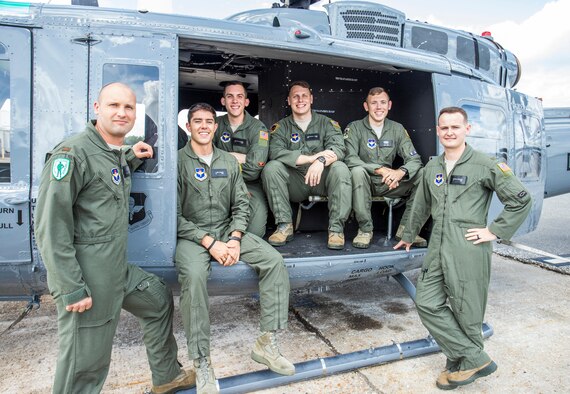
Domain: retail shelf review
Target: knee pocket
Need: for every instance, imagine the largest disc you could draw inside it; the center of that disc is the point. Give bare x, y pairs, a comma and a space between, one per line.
153, 293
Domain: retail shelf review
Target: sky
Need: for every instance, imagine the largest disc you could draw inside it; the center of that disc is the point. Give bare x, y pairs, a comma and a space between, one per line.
536, 31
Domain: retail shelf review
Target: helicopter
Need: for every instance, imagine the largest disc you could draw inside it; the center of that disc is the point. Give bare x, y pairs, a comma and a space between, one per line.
55, 59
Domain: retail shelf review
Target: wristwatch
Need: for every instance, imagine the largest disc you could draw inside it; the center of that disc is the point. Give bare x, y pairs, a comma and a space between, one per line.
405, 170
322, 160
234, 238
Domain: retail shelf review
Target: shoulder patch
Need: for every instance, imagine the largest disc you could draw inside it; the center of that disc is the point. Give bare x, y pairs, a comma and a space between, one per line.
504, 167
336, 125
406, 133
263, 138
66, 149
346, 131
60, 168
274, 127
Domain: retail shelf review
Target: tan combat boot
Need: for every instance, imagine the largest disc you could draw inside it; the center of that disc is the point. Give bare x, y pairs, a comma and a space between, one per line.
282, 235
442, 383
336, 241
185, 380
362, 240
461, 378
418, 241
265, 351
205, 379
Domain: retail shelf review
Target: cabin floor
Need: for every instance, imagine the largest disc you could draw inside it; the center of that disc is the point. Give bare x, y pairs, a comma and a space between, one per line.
314, 243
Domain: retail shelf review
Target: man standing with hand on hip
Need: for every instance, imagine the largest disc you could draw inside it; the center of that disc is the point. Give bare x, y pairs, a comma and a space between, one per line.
456, 189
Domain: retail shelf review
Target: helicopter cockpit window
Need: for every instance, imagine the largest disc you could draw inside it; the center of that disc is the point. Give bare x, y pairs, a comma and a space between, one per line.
144, 80
484, 57
429, 40
4, 121
488, 128
466, 50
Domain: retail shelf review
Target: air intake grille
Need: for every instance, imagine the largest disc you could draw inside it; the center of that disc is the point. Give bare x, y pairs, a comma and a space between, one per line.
367, 22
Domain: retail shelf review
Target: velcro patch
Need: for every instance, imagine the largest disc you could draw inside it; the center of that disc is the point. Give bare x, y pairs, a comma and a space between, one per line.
521, 194
504, 167
263, 138
219, 173
274, 127
60, 168
335, 125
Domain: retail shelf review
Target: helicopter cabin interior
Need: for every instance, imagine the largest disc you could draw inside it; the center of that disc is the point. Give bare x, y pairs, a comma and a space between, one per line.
339, 88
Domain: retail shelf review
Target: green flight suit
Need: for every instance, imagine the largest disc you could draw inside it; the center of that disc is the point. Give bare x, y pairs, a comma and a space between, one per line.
81, 221
365, 153
283, 180
252, 139
454, 268
212, 200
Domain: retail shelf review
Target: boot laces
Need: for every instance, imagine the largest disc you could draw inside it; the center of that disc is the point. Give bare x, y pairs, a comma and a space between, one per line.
204, 369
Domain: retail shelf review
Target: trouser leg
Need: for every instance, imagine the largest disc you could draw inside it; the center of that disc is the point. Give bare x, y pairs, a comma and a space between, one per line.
339, 191
275, 178
273, 281
443, 323
257, 208
85, 344
361, 198
193, 265
150, 300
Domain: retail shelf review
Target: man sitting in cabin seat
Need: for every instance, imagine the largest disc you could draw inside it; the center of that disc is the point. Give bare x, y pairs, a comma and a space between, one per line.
247, 139
306, 150
372, 144
213, 210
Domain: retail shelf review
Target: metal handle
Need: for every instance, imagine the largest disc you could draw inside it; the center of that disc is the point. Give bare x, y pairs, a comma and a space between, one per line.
16, 200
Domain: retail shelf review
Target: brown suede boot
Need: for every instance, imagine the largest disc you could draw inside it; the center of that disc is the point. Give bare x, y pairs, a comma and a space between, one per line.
282, 235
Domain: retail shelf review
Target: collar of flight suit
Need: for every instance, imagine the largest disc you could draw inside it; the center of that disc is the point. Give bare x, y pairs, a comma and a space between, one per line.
315, 117
96, 137
247, 120
387, 126
466, 155
187, 150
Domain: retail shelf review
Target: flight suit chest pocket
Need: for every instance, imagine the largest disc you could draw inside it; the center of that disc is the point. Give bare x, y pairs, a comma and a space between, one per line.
240, 145
313, 141
220, 180
386, 150
460, 185
109, 185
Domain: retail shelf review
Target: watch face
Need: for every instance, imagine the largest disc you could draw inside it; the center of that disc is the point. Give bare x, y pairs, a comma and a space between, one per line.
321, 159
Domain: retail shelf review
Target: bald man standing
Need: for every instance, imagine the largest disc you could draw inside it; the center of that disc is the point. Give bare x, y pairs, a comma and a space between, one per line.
81, 229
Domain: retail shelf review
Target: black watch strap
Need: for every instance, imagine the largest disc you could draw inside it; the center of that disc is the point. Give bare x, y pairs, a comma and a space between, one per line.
234, 238
322, 159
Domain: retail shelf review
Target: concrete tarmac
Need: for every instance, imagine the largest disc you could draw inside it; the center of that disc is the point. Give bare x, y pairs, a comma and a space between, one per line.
528, 309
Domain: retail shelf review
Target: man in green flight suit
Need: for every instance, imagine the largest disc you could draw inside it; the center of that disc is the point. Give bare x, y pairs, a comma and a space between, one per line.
456, 189
247, 139
213, 210
372, 144
81, 222
305, 158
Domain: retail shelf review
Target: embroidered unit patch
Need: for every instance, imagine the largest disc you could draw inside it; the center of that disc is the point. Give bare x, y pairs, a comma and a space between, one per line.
60, 168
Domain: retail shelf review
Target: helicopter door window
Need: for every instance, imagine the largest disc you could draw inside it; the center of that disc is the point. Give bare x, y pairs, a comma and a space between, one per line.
528, 155
4, 119
144, 80
488, 128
